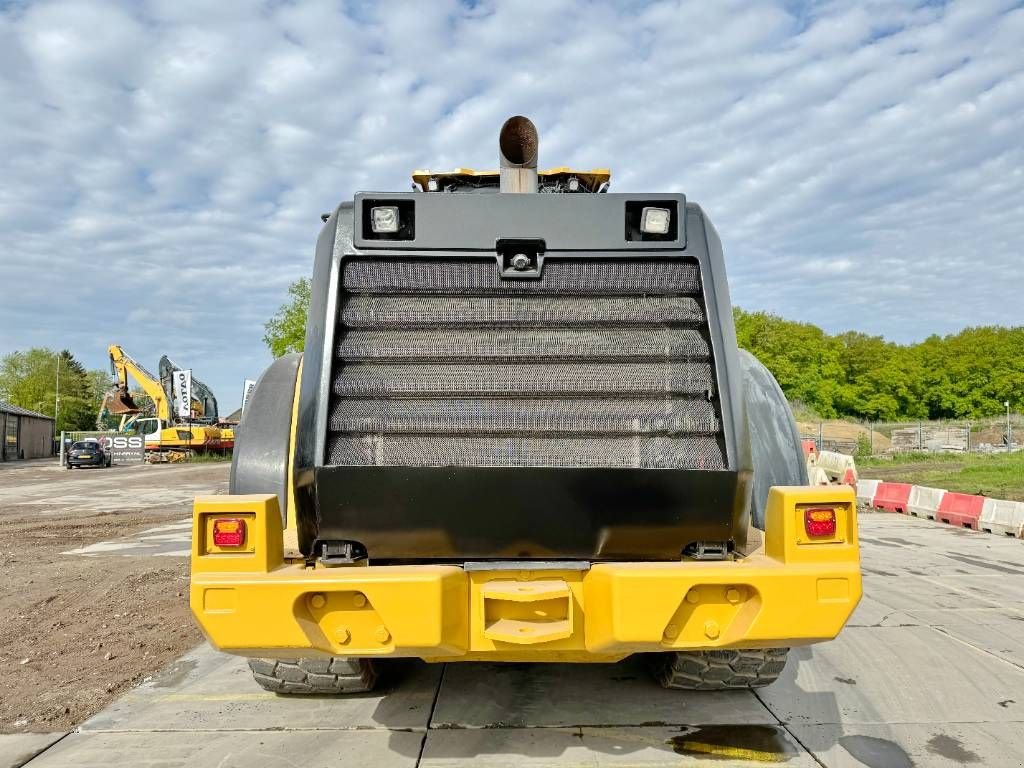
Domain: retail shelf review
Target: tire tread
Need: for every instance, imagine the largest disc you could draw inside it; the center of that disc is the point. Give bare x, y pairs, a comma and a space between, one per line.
333, 676
720, 670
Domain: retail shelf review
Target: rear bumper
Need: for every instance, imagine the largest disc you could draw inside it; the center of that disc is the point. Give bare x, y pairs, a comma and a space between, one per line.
790, 592
93, 462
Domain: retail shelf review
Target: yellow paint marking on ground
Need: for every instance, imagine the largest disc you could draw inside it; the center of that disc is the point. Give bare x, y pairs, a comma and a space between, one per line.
736, 753
216, 696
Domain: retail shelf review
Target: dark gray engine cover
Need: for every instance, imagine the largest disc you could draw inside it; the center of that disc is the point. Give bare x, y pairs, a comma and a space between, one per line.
774, 439
260, 460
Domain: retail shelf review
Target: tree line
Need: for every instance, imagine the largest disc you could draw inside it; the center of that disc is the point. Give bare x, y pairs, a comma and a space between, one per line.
30, 379
969, 374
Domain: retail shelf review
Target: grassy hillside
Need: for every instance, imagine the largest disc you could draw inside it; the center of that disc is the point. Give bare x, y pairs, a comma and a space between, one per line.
999, 475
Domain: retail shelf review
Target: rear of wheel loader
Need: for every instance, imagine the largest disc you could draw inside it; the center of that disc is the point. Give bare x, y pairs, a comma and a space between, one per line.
520, 431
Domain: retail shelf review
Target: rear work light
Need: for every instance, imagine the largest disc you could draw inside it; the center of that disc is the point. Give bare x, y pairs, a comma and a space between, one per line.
820, 522
228, 532
384, 219
655, 221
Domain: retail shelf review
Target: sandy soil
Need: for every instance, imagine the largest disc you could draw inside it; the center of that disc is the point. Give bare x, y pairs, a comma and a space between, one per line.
77, 631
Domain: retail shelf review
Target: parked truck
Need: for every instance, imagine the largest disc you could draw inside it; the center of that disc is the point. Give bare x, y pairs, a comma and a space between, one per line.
521, 430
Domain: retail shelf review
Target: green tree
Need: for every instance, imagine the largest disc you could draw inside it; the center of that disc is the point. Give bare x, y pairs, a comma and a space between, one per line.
286, 330
965, 375
801, 356
30, 379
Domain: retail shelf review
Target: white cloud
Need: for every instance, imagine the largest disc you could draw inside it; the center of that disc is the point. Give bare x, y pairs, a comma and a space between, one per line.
163, 164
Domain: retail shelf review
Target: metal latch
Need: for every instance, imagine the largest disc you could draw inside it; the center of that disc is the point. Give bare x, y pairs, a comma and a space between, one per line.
707, 550
520, 258
339, 553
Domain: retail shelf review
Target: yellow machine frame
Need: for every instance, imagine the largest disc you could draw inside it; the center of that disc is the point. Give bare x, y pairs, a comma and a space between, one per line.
592, 178
790, 591
263, 599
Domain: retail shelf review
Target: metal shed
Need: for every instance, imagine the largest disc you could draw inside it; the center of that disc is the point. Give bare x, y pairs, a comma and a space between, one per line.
24, 434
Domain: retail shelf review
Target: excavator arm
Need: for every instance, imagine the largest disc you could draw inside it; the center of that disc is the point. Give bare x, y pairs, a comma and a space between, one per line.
120, 402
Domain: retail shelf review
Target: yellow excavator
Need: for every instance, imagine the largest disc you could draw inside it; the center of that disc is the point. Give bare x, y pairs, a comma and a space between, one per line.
167, 436
204, 402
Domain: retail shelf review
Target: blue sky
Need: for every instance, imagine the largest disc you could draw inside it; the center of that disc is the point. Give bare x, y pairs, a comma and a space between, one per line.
163, 164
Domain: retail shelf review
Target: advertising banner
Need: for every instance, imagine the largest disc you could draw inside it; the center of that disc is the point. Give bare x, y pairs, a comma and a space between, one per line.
123, 448
247, 389
182, 382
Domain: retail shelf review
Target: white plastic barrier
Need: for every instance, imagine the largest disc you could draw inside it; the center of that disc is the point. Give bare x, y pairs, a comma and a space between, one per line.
1002, 517
839, 466
817, 476
924, 501
866, 491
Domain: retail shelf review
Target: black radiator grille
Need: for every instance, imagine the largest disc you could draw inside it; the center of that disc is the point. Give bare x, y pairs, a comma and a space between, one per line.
603, 362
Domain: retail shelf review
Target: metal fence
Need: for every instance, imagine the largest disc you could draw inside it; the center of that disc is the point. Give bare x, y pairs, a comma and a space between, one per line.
989, 435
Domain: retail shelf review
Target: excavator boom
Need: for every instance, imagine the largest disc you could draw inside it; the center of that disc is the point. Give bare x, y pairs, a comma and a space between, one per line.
122, 365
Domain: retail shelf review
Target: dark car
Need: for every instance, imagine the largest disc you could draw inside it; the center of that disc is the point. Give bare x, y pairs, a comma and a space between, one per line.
87, 453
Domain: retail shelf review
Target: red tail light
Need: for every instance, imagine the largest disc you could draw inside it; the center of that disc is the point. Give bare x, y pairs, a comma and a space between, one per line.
820, 522
228, 532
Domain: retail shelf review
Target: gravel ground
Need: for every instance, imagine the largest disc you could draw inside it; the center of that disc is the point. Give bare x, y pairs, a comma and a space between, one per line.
78, 631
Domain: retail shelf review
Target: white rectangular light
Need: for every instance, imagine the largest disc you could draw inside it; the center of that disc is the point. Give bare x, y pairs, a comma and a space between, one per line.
655, 221
384, 219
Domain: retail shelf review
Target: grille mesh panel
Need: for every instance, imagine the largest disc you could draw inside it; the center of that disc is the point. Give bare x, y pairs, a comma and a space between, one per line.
362, 311
693, 452
581, 276
603, 362
527, 416
516, 344
514, 379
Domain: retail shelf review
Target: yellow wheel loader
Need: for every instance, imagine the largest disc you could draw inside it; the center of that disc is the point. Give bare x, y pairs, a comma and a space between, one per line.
520, 430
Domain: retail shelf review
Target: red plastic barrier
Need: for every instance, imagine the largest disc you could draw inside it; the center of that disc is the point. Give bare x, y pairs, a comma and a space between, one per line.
892, 497
810, 447
960, 509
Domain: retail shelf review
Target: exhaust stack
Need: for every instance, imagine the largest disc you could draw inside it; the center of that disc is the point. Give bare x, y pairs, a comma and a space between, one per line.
517, 146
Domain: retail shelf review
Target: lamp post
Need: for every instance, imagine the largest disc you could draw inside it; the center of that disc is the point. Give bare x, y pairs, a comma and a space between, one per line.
56, 396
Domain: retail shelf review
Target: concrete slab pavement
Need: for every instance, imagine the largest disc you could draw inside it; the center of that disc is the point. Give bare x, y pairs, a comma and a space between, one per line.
210, 691
914, 745
558, 695
16, 749
171, 540
722, 746
892, 675
234, 749
929, 673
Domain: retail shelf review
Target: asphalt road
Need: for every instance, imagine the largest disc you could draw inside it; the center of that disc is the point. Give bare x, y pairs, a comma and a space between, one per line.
930, 672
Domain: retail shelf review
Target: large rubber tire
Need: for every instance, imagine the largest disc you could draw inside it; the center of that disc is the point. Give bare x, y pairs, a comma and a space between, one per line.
775, 450
259, 463
720, 670
320, 677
